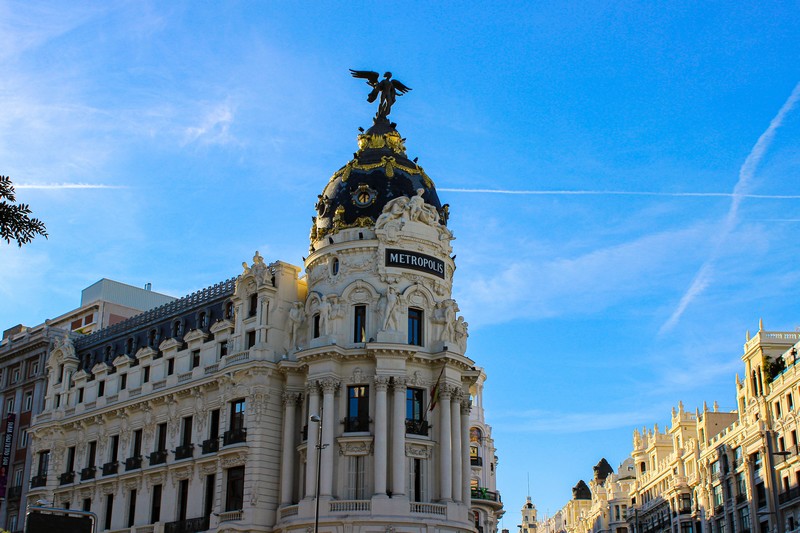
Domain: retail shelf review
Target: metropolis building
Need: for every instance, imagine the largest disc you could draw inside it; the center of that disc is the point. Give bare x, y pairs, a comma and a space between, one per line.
342, 388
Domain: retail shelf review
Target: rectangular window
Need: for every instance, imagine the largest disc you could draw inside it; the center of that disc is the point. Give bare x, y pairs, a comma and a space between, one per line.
33, 369
70, 460
80, 395
237, 415
251, 339
741, 484
415, 412
131, 507
44, 462
211, 481
360, 323
161, 437
777, 409
87, 505
234, 489
23, 439
195, 359
123, 381
213, 431
146, 374
357, 408
790, 402
18, 477
744, 518
183, 499
223, 349
715, 468
101, 388
10, 405
90, 457
253, 307
137, 443
155, 505
416, 480
28, 403
88, 319
415, 318
12, 522
16, 376
737, 457
170, 366
315, 322
113, 455
717, 493
186, 431
109, 509
356, 477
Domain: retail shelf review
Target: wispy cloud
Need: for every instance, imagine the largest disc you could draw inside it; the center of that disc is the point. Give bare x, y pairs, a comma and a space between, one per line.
56, 186
214, 128
624, 193
703, 276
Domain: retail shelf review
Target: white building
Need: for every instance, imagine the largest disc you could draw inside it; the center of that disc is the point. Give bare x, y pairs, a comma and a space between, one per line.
205, 413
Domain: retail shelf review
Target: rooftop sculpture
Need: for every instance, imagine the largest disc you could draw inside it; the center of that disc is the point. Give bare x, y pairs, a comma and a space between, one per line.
387, 88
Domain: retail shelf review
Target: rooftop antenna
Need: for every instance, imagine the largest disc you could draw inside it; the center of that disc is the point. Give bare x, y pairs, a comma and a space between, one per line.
529, 484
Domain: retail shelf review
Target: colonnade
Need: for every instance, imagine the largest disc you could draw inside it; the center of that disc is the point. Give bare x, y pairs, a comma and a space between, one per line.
450, 420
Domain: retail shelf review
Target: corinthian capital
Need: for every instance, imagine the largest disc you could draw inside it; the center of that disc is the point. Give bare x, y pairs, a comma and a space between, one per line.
381, 383
329, 385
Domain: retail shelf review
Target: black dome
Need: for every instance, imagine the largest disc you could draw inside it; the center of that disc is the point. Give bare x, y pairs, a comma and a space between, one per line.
379, 172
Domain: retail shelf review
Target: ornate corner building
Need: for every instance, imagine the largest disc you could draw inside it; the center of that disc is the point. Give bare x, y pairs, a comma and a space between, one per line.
273, 399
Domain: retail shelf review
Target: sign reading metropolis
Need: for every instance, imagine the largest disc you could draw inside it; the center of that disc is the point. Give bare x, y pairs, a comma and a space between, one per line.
414, 261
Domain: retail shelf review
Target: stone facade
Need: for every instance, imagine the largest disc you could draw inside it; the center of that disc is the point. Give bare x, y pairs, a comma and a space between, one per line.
274, 398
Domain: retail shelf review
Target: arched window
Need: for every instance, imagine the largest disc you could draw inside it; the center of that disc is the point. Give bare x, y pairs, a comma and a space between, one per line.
335, 266
229, 311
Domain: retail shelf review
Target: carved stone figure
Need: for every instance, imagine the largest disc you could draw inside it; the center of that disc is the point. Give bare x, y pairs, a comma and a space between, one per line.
259, 268
324, 316
390, 310
450, 309
393, 210
295, 321
461, 333
387, 88
420, 211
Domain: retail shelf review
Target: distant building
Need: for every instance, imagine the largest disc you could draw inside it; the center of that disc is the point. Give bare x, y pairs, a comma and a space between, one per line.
529, 520
23, 356
253, 403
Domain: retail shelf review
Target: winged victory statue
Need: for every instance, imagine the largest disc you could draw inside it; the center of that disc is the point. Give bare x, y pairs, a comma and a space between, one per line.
387, 88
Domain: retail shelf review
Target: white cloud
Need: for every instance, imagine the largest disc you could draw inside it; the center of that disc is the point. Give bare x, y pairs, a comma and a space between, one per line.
214, 128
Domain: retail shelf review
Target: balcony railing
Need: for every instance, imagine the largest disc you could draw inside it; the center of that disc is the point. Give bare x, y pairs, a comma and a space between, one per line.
417, 427
110, 468
66, 478
39, 481
476, 461
184, 452
158, 457
353, 424
211, 445
132, 463
88, 473
789, 495
14, 493
234, 436
485, 494
191, 525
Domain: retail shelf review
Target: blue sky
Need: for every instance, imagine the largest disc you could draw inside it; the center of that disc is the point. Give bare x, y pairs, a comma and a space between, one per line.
208, 129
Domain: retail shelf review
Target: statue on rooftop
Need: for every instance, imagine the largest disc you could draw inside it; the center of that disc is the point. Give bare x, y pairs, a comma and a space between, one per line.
387, 88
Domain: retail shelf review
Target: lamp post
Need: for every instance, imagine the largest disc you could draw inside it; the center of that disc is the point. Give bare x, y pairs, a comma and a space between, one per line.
317, 419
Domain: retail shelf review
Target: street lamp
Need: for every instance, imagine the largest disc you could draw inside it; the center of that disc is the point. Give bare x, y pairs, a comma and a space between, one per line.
317, 419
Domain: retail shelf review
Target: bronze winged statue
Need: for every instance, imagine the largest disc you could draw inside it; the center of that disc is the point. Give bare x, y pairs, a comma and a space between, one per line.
388, 89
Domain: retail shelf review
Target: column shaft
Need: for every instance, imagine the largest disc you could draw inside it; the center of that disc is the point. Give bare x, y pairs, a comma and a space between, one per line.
399, 438
455, 429
445, 446
381, 434
328, 418
311, 442
466, 466
287, 454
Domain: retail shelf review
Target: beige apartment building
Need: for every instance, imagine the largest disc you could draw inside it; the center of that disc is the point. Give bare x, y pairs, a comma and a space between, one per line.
710, 471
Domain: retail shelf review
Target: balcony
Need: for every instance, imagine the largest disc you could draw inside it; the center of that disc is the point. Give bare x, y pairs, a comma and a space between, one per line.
191, 525
158, 457
356, 424
184, 452
14, 493
88, 473
39, 481
66, 478
133, 463
791, 494
234, 436
476, 461
484, 494
110, 468
211, 445
417, 427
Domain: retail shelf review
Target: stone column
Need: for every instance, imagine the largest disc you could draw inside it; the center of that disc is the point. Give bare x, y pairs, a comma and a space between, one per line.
311, 453
288, 451
399, 438
455, 436
465, 462
381, 438
445, 446
329, 387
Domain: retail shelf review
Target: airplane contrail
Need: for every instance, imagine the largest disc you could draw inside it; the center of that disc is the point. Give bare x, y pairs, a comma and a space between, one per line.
54, 186
703, 277
623, 193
